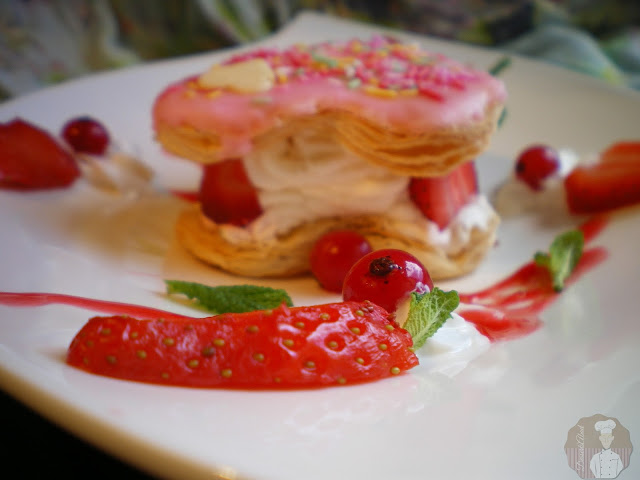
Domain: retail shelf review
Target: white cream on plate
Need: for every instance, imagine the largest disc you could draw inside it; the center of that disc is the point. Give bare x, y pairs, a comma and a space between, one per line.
515, 197
456, 335
116, 171
452, 347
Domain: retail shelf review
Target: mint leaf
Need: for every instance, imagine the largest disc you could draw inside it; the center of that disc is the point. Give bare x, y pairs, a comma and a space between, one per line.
542, 259
564, 253
502, 117
230, 298
428, 312
502, 64
498, 67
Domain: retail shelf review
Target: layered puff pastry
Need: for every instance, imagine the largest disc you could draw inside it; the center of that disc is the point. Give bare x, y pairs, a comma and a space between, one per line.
330, 137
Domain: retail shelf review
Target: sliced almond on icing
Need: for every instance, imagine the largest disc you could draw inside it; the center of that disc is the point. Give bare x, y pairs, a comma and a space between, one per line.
255, 75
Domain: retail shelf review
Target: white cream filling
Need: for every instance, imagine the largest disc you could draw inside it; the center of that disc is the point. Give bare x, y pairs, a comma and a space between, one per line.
307, 178
454, 237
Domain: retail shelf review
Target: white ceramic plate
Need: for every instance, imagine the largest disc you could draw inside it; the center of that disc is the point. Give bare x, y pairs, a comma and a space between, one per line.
506, 415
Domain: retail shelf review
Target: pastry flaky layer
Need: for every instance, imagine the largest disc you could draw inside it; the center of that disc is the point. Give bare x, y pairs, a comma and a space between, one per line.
288, 255
427, 154
386, 104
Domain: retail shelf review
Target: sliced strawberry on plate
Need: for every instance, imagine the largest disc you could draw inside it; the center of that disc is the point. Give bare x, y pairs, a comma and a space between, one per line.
320, 345
611, 183
622, 152
30, 158
227, 195
440, 198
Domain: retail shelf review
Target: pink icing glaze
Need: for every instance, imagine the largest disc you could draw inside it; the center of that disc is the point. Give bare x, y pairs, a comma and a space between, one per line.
392, 84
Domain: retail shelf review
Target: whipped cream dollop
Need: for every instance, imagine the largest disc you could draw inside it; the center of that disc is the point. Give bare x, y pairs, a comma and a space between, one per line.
515, 197
306, 178
116, 171
452, 347
455, 335
455, 236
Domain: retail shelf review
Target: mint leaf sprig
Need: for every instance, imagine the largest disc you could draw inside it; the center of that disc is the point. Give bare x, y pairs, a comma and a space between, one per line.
564, 253
496, 69
230, 298
428, 312
501, 64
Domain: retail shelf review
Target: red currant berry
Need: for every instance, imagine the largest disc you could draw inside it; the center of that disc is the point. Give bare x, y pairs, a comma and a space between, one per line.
86, 135
535, 164
386, 277
334, 254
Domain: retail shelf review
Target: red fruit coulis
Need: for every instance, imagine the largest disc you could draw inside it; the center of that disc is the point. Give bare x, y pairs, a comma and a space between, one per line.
511, 308
26, 299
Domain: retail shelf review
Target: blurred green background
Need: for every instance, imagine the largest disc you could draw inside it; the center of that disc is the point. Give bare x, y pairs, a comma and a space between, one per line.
44, 42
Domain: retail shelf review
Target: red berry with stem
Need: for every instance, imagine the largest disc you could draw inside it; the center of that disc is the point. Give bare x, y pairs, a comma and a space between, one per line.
334, 254
86, 135
387, 278
535, 164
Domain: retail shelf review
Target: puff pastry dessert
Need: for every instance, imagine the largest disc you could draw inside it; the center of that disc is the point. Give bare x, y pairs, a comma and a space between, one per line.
337, 135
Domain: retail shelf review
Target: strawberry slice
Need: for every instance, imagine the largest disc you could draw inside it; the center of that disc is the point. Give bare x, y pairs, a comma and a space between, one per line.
611, 183
440, 198
30, 158
622, 152
320, 345
227, 195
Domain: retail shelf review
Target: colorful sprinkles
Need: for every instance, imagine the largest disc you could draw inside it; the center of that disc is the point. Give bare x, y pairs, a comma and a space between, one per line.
382, 67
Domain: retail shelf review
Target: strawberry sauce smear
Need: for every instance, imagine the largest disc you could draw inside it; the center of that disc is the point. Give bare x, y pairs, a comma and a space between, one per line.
511, 308
26, 299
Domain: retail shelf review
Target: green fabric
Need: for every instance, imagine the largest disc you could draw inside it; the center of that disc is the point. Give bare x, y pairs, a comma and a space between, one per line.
44, 42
